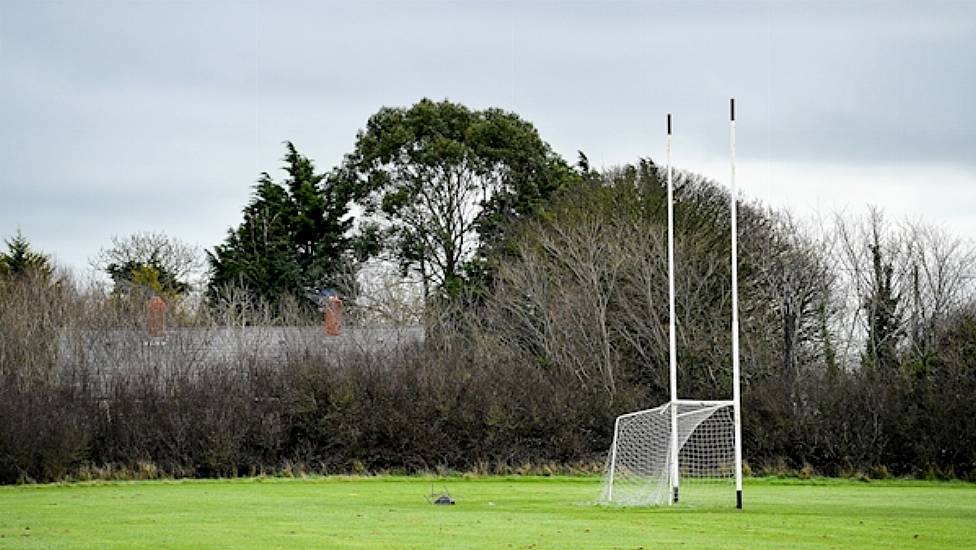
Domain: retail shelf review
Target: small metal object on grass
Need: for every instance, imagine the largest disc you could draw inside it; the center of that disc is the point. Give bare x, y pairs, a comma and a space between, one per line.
442, 499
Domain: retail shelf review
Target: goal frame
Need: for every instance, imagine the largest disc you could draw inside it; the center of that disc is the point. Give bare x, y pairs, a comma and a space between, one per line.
673, 475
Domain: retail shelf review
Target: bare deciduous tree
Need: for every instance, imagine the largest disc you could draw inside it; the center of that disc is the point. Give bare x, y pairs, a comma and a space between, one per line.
182, 261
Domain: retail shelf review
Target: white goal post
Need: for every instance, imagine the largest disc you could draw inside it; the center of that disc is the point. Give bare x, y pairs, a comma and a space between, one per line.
656, 452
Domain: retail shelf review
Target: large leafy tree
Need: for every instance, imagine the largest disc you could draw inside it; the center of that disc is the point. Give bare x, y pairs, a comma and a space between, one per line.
293, 236
440, 185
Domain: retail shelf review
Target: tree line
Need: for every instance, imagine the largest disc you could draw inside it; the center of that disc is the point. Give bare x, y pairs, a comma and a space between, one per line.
543, 290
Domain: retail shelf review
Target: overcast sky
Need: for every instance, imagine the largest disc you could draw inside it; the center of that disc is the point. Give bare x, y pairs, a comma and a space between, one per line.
117, 117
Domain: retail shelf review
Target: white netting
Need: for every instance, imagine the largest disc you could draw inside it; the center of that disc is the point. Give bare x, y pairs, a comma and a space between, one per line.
638, 466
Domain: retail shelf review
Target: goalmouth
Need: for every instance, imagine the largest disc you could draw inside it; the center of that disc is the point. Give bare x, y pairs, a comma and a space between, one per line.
640, 470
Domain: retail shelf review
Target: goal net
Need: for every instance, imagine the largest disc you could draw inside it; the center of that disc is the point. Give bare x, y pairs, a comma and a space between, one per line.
639, 469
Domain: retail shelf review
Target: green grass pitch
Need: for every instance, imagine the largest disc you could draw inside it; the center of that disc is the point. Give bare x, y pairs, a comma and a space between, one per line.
491, 512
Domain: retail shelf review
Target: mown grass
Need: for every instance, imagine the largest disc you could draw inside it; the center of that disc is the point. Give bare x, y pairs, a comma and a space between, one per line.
491, 512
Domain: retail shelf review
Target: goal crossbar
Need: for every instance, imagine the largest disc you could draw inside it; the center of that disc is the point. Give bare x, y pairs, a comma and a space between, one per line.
705, 403
697, 402
704, 408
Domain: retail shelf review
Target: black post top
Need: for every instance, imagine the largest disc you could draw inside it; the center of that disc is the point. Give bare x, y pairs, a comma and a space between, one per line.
732, 109
669, 124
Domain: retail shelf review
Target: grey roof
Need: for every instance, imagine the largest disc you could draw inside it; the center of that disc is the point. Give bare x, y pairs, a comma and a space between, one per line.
104, 354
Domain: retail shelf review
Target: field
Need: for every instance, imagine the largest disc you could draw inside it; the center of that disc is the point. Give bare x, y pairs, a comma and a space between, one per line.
499, 512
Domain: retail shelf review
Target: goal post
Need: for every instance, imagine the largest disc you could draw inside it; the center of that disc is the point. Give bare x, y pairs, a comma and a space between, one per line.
737, 408
655, 452
672, 334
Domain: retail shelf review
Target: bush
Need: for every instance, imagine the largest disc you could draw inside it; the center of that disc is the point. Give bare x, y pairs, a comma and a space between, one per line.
85, 394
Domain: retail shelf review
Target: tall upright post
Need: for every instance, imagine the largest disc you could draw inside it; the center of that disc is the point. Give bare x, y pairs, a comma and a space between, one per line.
672, 336
736, 406
613, 459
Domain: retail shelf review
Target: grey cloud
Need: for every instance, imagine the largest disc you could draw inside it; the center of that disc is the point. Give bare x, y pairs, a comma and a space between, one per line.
109, 103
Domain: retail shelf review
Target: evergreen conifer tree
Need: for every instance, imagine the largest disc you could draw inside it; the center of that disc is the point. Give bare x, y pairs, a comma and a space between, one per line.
292, 239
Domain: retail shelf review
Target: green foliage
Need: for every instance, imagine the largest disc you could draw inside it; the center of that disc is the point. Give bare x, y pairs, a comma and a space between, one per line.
293, 237
22, 261
150, 275
444, 183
